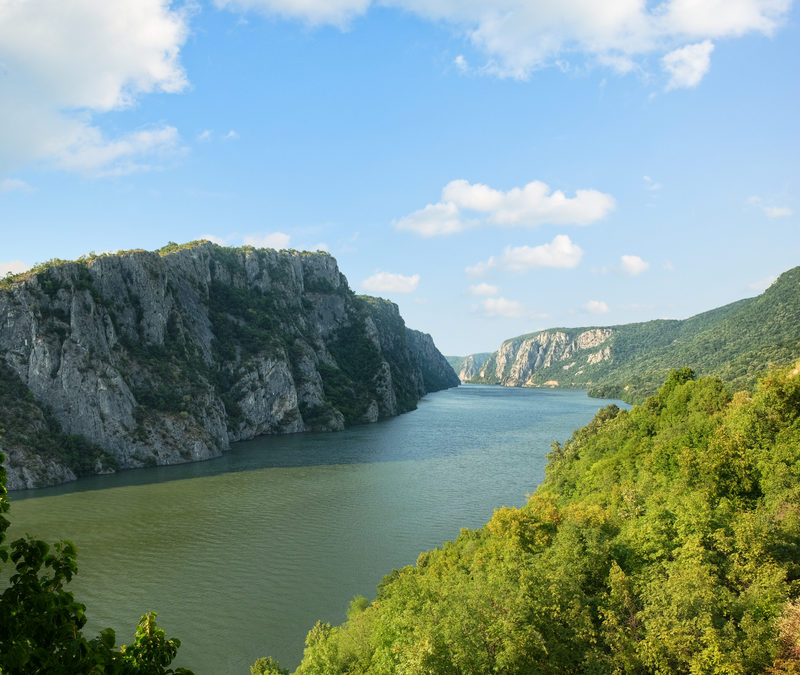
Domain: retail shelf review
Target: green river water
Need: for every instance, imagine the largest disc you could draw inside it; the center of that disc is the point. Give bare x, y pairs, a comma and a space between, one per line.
241, 555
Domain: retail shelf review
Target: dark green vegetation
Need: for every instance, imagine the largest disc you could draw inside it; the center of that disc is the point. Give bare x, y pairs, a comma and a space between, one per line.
736, 342
664, 539
41, 622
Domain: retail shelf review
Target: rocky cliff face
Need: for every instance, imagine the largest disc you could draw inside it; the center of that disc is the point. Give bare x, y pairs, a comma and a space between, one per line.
436, 371
145, 358
548, 358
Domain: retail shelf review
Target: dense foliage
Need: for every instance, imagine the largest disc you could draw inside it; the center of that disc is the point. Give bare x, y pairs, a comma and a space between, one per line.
664, 539
40, 621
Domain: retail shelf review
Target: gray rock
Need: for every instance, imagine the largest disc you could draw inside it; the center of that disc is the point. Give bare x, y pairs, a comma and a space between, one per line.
168, 357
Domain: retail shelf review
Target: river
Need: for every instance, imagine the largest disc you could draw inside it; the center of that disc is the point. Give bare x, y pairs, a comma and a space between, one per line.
241, 555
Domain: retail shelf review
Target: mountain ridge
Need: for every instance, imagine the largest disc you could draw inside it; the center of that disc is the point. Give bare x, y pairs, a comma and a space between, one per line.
736, 342
141, 358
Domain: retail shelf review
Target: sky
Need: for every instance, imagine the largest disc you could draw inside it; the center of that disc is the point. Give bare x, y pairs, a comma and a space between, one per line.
494, 167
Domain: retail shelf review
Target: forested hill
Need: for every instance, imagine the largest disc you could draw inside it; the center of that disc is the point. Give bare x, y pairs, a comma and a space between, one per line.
664, 539
736, 342
141, 358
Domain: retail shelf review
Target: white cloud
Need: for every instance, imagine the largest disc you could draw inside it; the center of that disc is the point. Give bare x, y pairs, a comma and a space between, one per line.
276, 240
433, 220
650, 184
561, 252
89, 152
231, 136
480, 269
13, 267
66, 62
633, 265
465, 205
214, 239
484, 289
14, 184
520, 36
688, 65
762, 284
204, 136
770, 210
314, 12
509, 309
596, 307
777, 211
388, 282
461, 63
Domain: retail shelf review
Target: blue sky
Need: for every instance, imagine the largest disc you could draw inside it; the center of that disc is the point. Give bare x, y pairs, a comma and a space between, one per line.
494, 167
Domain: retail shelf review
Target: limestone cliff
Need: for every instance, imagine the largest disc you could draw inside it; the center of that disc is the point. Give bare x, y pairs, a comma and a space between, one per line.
529, 360
144, 358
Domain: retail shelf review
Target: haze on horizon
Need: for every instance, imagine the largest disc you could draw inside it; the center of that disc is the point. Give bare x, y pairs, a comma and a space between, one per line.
493, 167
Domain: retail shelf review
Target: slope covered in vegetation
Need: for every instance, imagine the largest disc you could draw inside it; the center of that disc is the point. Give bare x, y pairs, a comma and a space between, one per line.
663, 539
736, 342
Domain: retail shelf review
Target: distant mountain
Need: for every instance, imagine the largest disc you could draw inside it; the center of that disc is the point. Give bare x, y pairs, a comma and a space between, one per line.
467, 367
143, 358
737, 342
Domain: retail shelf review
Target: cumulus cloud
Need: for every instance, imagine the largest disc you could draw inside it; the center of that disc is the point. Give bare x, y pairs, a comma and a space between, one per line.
509, 309
561, 252
777, 211
314, 12
484, 289
13, 267
433, 220
464, 205
596, 307
276, 240
388, 282
633, 265
214, 239
688, 65
770, 210
65, 63
520, 36
481, 268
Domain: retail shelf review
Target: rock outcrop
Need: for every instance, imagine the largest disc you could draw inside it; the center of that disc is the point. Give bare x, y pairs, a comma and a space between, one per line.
528, 361
145, 358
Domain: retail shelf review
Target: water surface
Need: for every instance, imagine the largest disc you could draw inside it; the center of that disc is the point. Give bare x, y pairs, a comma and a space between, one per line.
241, 555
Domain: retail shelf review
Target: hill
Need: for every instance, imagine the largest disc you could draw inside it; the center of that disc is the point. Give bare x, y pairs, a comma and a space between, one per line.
664, 539
737, 342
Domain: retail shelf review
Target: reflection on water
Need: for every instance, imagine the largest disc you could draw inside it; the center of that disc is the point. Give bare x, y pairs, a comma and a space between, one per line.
241, 555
